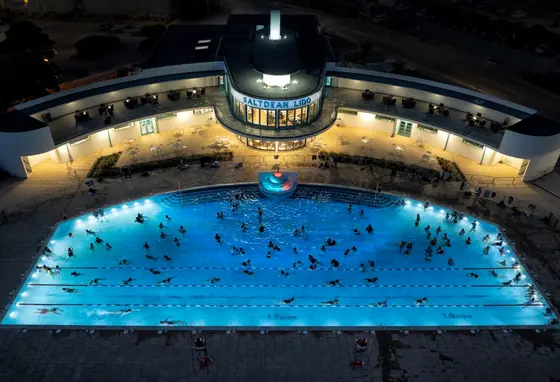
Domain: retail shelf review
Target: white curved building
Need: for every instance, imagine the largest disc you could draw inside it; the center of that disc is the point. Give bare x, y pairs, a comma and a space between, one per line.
276, 88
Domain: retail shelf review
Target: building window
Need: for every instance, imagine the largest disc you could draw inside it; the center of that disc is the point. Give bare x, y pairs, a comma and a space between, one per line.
312, 110
283, 118
298, 117
347, 111
249, 114
290, 145
475, 145
304, 115
329, 81
272, 118
263, 117
146, 127
255, 116
241, 110
291, 117
427, 129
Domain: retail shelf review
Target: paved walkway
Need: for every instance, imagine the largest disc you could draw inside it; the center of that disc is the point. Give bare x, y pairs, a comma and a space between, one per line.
318, 356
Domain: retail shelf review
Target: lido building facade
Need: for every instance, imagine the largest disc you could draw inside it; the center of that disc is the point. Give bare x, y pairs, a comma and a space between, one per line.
273, 82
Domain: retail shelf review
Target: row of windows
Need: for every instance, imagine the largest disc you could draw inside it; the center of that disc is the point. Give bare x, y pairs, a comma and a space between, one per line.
275, 118
275, 146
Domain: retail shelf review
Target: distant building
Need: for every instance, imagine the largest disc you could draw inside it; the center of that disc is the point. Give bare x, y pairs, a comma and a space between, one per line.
133, 8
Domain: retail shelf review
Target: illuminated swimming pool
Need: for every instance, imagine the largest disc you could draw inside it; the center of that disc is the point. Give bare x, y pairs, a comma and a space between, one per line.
195, 281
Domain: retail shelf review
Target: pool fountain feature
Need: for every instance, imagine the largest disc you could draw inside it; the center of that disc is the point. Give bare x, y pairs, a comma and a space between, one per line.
278, 184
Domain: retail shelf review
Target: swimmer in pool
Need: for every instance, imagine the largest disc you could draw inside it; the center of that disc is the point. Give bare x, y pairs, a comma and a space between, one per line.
427, 228
354, 249
346, 252
95, 281
335, 263
333, 282
108, 246
91, 246
371, 280
244, 227
383, 304
70, 290
70, 234
438, 230
450, 262
369, 229
473, 275
371, 264
248, 273
418, 218
507, 282
331, 302
284, 273
246, 263
213, 280
261, 228
462, 232
155, 272
312, 260
349, 209
146, 245
182, 229
401, 245
260, 212
468, 241
362, 268
493, 273
297, 264
295, 251
218, 238
285, 302
421, 301
486, 250
269, 255
362, 213
502, 263
125, 262
168, 322
175, 239
127, 281
90, 232
49, 310
167, 217
356, 232
162, 235
122, 312
440, 251
150, 257
166, 281
486, 238
76, 274
165, 257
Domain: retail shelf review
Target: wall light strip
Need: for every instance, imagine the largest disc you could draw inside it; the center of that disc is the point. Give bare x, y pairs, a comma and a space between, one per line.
80, 141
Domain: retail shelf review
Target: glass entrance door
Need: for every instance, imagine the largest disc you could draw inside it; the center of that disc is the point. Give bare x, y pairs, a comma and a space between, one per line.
146, 126
405, 128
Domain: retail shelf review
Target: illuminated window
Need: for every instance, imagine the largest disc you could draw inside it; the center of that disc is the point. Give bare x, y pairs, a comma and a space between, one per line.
298, 116
241, 110
304, 115
312, 110
255, 116
475, 145
272, 118
283, 118
263, 117
291, 117
249, 114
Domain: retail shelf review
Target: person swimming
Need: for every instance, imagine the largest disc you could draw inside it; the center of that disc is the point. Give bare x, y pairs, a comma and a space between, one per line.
312, 260
168, 322
297, 264
473, 226
418, 218
383, 304
507, 282
76, 274
450, 262
295, 251
401, 245
125, 262
182, 229
468, 241
371, 280
371, 264
155, 272
167, 258
90, 232
175, 239
486, 250
433, 241
421, 301
335, 263
261, 228
440, 250
218, 238
248, 273
146, 245
91, 246
162, 235
220, 215
166, 281
473, 275
369, 229
362, 213
462, 232
347, 252
331, 302
438, 230
284, 273
213, 280
296, 232
486, 238
349, 209
150, 257
246, 263
285, 302
95, 281
356, 232
333, 282
127, 281
268, 255
427, 228
493, 273
502, 263
108, 246
260, 212
70, 290
354, 249
49, 310
330, 242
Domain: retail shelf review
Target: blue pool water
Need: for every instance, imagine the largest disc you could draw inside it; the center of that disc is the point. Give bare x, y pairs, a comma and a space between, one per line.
238, 299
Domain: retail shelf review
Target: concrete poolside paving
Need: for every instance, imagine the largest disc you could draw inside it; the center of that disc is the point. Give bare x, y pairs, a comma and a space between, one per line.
74, 355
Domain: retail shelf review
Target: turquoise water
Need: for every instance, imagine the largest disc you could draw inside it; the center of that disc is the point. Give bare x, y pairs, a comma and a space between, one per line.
190, 298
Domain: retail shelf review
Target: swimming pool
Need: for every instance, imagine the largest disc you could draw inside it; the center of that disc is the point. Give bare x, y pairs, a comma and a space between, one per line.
195, 281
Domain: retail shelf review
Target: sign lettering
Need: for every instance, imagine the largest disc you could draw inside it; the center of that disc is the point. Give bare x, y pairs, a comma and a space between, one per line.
275, 104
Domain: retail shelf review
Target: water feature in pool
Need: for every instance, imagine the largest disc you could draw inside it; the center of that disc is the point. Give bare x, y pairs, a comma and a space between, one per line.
195, 281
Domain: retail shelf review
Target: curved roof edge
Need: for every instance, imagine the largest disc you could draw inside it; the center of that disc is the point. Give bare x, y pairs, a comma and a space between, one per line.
485, 100
145, 77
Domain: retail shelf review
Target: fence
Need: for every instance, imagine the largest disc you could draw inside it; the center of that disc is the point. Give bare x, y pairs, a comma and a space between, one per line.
498, 181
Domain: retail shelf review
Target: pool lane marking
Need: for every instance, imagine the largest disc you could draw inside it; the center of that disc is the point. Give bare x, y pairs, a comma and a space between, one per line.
292, 305
295, 269
277, 286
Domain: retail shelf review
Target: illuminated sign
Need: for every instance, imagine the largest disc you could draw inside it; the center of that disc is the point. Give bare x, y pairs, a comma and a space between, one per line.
275, 104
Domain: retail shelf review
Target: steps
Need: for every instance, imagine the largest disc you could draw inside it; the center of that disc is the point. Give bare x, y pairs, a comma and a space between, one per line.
185, 198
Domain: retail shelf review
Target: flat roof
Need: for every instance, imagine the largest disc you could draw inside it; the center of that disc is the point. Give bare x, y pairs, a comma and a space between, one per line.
183, 44
536, 126
17, 121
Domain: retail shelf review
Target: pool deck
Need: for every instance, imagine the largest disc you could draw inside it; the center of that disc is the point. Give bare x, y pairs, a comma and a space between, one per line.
72, 355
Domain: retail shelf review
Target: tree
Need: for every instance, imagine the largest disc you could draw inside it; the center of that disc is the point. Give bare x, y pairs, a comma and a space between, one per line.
25, 76
95, 46
24, 36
